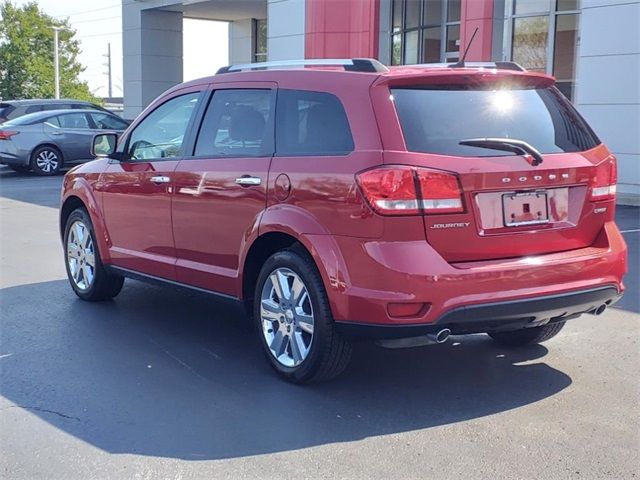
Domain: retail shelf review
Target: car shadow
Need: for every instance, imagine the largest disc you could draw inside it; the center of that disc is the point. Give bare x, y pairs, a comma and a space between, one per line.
171, 374
30, 188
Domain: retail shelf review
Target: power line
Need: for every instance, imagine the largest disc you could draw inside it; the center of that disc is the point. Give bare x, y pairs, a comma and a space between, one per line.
89, 11
98, 35
94, 20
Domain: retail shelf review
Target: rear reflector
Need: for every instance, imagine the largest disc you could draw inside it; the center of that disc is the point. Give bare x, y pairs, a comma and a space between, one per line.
404, 190
603, 183
7, 134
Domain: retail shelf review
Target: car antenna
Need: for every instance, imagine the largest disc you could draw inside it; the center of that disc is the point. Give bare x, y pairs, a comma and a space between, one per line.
460, 63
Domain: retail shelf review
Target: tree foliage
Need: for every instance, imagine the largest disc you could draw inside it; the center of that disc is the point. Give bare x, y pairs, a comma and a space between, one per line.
26, 55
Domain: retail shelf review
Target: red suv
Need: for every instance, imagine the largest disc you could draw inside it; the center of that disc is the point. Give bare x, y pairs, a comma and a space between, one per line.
345, 200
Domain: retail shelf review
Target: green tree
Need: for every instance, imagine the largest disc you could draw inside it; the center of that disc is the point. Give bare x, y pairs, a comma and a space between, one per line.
26, 55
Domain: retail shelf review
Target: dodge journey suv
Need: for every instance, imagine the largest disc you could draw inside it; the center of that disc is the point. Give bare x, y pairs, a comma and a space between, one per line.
343, 200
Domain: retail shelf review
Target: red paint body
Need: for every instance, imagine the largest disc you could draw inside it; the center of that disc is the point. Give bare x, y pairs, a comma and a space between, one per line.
199, 229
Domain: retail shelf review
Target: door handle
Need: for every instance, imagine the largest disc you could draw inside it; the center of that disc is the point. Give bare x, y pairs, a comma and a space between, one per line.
247, 180
160, 179
57, 133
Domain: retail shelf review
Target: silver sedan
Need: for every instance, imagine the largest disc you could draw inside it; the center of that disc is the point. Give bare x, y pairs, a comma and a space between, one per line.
45, 141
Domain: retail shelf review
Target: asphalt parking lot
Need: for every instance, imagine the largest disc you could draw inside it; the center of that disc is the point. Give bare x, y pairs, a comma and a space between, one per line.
163, 384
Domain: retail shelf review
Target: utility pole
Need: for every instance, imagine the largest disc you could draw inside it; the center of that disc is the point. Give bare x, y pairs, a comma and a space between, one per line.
56, 60
108, 65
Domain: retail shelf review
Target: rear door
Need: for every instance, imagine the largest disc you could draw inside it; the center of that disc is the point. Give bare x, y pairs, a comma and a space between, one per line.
512, 207
72, 133
220, 190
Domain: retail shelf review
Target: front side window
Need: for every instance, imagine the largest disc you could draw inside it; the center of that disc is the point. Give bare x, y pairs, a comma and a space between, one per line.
236, 124
311, 123
104, 121
437, 120
73, 120
425, 31
161, 133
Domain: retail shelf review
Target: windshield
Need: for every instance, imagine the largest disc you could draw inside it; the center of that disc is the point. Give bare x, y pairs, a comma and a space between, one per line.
435, 120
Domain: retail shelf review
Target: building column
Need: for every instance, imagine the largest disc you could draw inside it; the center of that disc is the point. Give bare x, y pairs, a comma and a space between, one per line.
241, 41
285, 29
475, 14
608, 84
342, 28
152, 51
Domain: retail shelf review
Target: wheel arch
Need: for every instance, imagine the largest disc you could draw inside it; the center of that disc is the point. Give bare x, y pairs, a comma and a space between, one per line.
50, 145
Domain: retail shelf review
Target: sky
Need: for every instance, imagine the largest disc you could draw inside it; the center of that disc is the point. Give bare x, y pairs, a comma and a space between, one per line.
99, 22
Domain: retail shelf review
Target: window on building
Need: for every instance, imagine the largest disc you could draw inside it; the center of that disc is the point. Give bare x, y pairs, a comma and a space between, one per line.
425, 31
544, 38
311, 123
259, 40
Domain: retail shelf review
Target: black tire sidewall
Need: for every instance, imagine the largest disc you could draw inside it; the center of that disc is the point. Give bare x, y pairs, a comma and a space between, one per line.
34, 162
82, 215
323, 321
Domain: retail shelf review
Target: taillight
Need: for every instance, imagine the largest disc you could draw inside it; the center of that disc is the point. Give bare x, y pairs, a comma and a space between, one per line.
7, 134
404, 190
603, 182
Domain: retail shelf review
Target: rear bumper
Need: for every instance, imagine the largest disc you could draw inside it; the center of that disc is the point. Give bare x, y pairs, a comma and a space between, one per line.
506, 315
471, 296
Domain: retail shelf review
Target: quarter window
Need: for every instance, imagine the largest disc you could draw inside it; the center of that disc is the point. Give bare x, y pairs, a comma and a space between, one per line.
311, 123
236, 124
161, 133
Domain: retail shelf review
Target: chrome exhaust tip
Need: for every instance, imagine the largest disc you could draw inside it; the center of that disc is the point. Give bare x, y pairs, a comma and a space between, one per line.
600, 310
442, 336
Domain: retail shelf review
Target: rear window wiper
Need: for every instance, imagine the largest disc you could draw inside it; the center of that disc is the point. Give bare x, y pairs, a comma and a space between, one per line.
519, 147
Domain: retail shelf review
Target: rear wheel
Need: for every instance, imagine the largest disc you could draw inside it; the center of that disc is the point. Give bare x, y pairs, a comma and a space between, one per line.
294, 320
46, 160
88, 277
527, 336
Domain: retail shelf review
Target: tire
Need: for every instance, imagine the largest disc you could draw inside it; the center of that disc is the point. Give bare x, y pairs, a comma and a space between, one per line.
46, 160
527, 336
312, 349
90, 282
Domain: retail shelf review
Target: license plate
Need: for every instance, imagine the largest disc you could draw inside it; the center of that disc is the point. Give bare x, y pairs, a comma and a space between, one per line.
528, 208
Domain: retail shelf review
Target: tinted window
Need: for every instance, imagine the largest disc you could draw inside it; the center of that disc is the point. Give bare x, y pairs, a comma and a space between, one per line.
311, 123
72, 120
56, 106
236, 124
105, 121
161, 133
33, 108
435, 120
5, 108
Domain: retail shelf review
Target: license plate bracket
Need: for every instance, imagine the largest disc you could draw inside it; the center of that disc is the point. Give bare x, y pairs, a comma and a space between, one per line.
525, 208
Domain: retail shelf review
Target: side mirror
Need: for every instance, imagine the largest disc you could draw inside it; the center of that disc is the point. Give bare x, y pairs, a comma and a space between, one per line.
104, 145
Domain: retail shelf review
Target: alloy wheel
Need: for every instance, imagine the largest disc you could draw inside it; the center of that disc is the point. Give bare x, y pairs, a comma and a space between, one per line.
81, 255
287, 318
47, 161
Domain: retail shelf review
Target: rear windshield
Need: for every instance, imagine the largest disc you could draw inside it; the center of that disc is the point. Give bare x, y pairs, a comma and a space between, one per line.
5, 108
435, 120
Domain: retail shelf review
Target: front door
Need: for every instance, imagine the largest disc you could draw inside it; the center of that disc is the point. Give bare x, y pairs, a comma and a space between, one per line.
136, 192
220, 191
73, 133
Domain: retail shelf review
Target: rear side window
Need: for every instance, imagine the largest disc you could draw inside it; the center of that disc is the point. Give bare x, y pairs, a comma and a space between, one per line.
73, 120
33, 108
237, 124
311, 123
436, 120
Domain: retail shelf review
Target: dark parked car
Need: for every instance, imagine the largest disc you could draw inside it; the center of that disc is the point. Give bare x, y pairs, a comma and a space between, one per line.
401, 204
44, 141
11, 109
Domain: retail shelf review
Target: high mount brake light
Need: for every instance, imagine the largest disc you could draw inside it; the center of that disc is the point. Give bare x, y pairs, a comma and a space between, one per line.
603, 182
404, 190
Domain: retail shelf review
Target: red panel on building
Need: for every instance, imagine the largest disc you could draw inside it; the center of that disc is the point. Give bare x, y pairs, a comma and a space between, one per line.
477, 13
341, 28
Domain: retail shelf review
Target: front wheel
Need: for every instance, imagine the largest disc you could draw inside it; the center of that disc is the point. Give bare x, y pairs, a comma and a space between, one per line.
294, 320
527, 336
88, 277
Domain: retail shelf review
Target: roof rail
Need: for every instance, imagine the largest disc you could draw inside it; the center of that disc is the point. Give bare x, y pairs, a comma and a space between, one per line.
498, 65
349, 64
